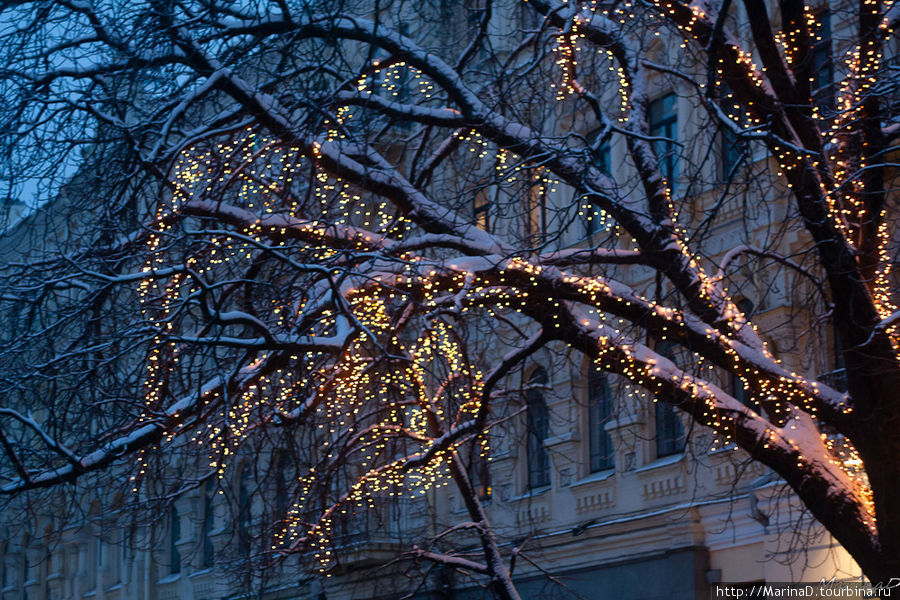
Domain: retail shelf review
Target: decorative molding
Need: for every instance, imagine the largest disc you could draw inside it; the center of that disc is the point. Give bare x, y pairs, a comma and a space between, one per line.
664, 487
532, 515
597, 501
727, 473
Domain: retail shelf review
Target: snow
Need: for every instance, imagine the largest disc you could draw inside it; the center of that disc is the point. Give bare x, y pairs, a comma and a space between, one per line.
142, 435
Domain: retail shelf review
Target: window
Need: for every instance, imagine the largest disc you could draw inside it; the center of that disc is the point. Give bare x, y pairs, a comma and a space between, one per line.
600, 152
669, 430
538, 420
599, 414
822, 66
481, 211
529, 18
732, 146
391, 81
837, 376
100, 560
474, 11
127, 548
243, 529
174, 536
209, 554
27, 567
477, 468
72, 568
738, 390
536, 209
594, 219
664, 126
4, 567
281, 486
27, 572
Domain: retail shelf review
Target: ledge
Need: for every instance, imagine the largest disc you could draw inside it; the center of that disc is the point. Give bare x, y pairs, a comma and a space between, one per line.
555, 440
531, 493
730, 447
661, 462
624, 421
204, 571
594, 478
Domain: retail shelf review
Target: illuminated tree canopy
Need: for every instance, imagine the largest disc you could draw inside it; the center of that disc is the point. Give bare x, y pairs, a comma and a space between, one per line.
350, 226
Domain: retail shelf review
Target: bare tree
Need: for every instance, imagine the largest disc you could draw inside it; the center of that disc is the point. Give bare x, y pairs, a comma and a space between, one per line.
341, 229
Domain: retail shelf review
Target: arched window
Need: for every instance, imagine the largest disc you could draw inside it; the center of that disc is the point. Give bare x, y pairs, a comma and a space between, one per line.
669, 430
599, 414
174, 536
538, 421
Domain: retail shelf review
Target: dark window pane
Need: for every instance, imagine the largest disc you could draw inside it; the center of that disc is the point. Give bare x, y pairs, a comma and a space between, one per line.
599, 414
738, 390
481, 211
600, 155
669, 430
536, 215
174, 536
664, 125
601, 158
822, 64
732, 146
479, 474
244, 512
208, 549
538, 422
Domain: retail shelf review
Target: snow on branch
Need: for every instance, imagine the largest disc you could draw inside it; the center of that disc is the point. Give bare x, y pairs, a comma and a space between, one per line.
141, 436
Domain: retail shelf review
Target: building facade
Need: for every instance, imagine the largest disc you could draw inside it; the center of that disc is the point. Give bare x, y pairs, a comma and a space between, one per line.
607, 492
